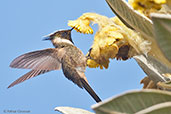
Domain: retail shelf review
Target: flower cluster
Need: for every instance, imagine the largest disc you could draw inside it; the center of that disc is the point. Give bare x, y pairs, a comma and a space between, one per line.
147, 6
106, 44
112, 40
107, 41
81, 25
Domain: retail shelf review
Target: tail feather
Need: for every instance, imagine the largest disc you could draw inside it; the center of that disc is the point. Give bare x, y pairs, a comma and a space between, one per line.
90, 90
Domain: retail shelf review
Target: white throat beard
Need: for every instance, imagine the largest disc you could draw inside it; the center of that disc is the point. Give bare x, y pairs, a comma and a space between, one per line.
59, 40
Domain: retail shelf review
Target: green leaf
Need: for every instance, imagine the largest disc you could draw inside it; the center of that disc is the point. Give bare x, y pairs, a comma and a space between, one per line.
162, 108
131, 18
70, 110
162, 31
153, 68
132, 102
144, 26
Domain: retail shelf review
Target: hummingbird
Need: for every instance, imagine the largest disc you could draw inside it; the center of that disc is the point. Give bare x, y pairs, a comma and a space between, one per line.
65, 55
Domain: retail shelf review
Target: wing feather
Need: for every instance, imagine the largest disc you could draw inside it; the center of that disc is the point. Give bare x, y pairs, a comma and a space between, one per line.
47, 59
31, 74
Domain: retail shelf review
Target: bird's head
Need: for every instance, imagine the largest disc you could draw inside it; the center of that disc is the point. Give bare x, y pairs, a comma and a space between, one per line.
61, 36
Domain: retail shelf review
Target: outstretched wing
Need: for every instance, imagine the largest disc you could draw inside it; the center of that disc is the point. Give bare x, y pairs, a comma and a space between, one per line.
31, 74
47, 59
40, 62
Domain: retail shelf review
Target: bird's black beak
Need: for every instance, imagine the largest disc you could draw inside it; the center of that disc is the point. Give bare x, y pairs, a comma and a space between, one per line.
71, 28
46, 38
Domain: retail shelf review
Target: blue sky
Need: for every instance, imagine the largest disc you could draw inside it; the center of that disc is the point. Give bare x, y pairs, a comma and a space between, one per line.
22, 25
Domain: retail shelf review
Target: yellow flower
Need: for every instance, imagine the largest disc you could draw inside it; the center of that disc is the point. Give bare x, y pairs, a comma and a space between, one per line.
81, 25
160, 1
139, 44
147, 6
106, 41
112, 40
92, 64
